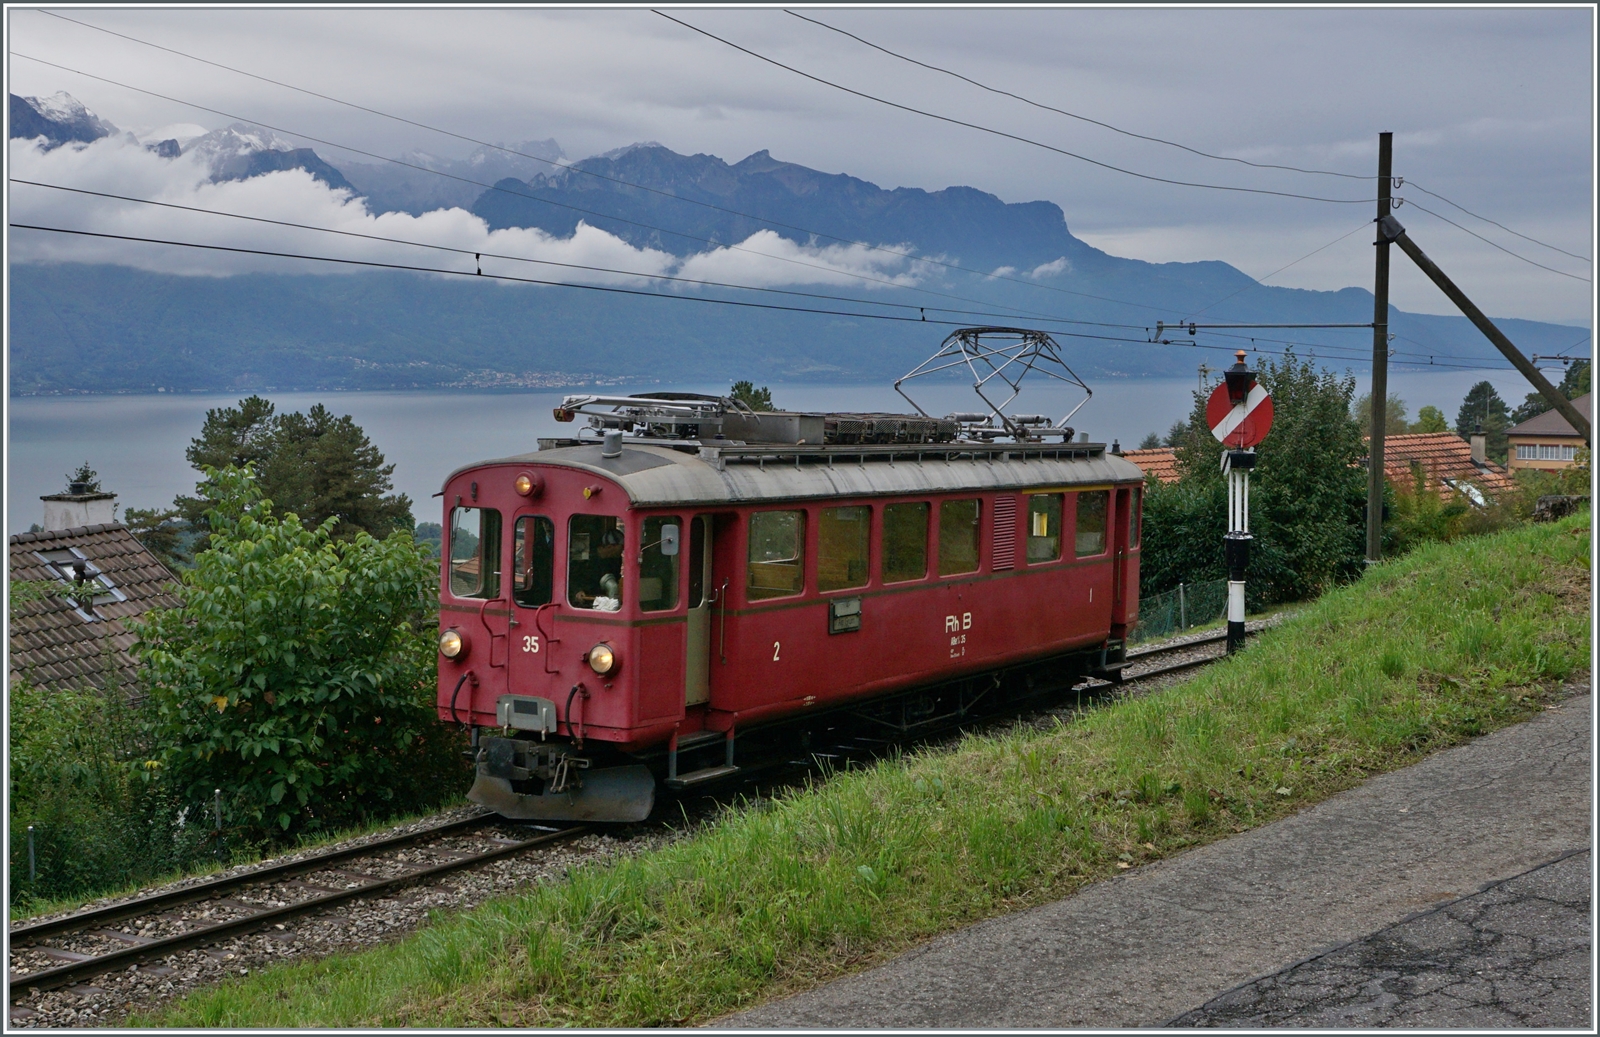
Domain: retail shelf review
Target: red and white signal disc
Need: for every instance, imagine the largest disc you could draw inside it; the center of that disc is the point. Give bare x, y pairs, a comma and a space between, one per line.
1239, 426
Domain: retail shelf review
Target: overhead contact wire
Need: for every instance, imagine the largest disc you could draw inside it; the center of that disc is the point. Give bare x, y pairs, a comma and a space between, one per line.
1002, 133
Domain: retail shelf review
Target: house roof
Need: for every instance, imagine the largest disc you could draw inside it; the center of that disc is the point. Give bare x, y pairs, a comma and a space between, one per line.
1551, 423
55, 643
1444, 456
1160, 462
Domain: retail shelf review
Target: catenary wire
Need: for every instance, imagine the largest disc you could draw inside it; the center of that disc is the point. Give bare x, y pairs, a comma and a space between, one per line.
651, 276
1002, 133
573, 167
1502, 226
1072, 115
571, 266
614, 290
1502, 248
1261, 281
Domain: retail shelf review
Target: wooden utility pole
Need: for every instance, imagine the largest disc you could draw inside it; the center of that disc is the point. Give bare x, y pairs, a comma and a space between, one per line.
1380, 357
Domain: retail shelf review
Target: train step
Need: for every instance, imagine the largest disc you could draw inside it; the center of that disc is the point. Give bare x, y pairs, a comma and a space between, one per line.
700, 777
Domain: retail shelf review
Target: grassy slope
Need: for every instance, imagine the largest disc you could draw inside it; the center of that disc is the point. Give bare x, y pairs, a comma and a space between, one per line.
1444, 644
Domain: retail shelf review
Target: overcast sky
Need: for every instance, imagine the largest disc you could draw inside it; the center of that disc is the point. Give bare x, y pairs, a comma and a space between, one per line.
1492, 109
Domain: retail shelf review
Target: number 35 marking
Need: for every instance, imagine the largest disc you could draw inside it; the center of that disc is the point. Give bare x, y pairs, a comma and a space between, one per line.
530, 643
775, 647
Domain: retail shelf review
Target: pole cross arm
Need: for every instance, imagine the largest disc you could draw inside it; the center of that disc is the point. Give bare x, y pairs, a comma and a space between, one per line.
1389, 229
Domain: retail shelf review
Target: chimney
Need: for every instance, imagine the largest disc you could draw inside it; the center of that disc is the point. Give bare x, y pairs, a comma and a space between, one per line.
79, 506
1480, 445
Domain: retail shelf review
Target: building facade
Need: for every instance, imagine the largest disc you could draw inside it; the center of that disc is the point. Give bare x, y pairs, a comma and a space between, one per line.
1547, 440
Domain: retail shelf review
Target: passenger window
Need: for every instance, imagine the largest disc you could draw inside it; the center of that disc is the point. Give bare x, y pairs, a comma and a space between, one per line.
905, 541
777, 554
1044, 527
958, 536
1133, 518
1092, 522
658, 563
594, 562
842, 538
475, 553
534, 551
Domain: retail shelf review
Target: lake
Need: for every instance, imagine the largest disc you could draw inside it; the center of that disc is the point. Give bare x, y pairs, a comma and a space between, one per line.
137, 443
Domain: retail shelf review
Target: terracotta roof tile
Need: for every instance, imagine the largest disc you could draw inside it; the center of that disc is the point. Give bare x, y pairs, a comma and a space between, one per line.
1159, 462
55, 644
1443, 456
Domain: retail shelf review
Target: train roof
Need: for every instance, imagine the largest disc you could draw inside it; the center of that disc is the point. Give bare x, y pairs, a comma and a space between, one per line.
667, 476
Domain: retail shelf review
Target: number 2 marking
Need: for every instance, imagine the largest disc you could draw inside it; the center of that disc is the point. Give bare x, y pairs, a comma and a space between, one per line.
775, 647
530, 643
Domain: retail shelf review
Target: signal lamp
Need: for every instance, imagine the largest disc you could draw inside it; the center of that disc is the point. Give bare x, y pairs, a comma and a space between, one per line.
528, 485
602, 659
452, 645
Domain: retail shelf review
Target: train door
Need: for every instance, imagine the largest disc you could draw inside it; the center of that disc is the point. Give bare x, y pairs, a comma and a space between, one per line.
1117, 526
703, 598
533, 568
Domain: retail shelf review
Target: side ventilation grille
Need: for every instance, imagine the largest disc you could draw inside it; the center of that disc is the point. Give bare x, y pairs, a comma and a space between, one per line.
1005, 533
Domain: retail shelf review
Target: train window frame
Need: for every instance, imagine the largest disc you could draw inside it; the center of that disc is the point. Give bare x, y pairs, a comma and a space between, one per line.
1078, 513
590, 545
977, 535
796, 562
864, 559
1035, 539
487, 535
521, 594
926, 507
650, 545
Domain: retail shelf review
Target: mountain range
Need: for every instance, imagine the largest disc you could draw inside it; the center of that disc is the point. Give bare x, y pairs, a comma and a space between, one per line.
97, 328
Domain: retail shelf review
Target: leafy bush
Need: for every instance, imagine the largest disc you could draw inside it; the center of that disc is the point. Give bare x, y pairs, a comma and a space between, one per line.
298, 674
75, 777
1307, 495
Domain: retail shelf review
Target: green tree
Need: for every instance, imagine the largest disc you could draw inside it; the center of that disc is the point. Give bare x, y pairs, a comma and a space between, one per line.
313, 465
1483, 408
1150, 442
430, 535
1307, 494
164, 533
1430, 419
298, 675
756, 399
1176, 433
1574, 384
1394, 417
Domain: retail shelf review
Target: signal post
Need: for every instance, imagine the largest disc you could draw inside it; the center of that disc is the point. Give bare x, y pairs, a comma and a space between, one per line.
1240, 414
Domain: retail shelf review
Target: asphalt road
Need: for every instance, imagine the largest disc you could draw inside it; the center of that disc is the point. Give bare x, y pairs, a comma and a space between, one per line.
1308, 903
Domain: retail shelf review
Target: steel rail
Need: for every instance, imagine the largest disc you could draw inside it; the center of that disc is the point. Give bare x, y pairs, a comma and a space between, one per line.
204, 890
51, 979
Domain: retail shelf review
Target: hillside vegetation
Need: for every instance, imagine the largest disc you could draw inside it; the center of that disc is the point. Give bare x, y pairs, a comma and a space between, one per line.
1447, 643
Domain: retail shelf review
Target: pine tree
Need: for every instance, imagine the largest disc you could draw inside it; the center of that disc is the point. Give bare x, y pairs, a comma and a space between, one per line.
746, 392
1150, 442
1483, 408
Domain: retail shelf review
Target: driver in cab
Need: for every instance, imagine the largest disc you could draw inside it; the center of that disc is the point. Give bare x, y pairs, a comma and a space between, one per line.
601, 586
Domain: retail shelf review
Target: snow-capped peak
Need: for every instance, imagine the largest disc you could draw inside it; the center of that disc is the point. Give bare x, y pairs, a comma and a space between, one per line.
236, 141
70, 113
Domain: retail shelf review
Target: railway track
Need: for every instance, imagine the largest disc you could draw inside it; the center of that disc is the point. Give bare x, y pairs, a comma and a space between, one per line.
1138, 657
60, 952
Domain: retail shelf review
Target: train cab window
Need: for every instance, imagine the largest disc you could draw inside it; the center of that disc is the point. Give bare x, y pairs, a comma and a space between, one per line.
1044, 527
658, 563
1092, 522
958, 536
475, 553
777, 554
905, 541
842, 538
533, 552
697, 561
594, 562
1133, 518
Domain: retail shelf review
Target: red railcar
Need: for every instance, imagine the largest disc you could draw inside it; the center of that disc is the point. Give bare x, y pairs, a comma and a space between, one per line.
608, 606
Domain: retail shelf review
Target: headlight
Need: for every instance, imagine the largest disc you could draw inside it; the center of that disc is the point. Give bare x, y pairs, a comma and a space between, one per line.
527, 484
452, 644
602, 659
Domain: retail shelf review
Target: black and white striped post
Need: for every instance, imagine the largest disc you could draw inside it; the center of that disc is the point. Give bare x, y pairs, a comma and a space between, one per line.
1239, 413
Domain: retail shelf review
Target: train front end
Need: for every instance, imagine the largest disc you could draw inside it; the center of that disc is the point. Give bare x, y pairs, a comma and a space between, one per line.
542, 661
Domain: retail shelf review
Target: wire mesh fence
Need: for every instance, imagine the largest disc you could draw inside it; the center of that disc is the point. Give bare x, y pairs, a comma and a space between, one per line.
1174, 611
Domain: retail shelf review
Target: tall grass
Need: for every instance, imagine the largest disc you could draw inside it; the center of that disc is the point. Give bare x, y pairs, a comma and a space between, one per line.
1446, 643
